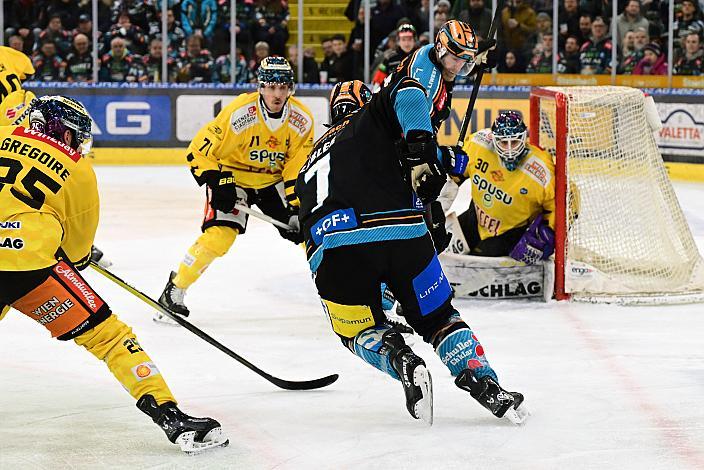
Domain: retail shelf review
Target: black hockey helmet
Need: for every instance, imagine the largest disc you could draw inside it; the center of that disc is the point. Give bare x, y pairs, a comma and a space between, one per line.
347, 97
54, 115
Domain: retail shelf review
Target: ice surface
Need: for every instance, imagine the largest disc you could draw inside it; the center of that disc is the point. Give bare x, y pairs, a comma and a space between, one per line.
608, 387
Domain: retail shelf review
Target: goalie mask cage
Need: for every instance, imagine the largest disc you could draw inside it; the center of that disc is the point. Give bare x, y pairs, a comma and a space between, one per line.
620, 235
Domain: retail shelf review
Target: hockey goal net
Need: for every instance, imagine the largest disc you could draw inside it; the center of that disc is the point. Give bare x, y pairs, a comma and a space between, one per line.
621, 235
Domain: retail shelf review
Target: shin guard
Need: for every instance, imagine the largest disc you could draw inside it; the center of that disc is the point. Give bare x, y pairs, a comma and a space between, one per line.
369, 345
113, 342
459, 349
213, 243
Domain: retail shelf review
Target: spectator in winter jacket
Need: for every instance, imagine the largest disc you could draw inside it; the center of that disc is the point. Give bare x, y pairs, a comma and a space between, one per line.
48, 66
55, 33
79, 62
177, 35
142, 13
271, 24
311, 74
196, 63
595, 54
66, 9
630, 19
541, 62
511, 62
568, 20
476, 14
151, 64
689, 21
630, 58
384, 19
568, 59
118, 65
691, 63
518, 22
134, 37
653, 61
199, 17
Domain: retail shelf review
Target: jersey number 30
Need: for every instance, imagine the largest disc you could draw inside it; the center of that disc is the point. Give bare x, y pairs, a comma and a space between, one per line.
29, 182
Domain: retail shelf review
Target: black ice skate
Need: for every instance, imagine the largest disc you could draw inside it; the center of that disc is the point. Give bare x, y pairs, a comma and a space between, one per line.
491, 396
172, 300
415, 377
193, 435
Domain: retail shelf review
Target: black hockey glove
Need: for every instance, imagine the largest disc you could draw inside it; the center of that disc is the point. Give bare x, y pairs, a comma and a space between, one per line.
422, 170
296, 234
486, 54
223, 191
441, 238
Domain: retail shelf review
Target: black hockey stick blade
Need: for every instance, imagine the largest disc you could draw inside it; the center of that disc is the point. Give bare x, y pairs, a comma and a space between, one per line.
281, 383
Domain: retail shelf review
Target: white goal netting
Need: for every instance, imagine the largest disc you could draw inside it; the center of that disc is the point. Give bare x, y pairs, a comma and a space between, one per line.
626, 237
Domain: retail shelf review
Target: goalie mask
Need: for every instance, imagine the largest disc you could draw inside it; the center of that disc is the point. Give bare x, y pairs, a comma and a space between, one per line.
458, 39
346, 98
510, 134
54, 115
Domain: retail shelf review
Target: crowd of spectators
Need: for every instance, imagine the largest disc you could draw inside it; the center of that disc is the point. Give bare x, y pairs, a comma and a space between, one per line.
57, 34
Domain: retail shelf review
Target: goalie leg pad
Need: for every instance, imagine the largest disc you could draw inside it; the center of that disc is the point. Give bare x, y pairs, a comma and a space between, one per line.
114, 343
213, 243
459, 349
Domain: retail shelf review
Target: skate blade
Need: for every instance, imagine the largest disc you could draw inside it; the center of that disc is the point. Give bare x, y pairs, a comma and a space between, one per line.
423, 409
214, 439
163, 319
517, 416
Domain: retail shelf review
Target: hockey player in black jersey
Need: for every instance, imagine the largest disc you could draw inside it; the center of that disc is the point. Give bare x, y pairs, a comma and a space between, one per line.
362, 193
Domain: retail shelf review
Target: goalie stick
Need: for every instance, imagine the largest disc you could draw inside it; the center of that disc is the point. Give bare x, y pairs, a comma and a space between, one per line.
477, 81
281, 383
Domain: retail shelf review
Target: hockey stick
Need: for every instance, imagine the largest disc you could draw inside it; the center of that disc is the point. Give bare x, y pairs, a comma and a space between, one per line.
477, 81
263, 217
281, 383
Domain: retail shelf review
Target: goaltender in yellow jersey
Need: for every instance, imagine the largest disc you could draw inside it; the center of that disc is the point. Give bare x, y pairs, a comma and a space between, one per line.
249, 155
49, 213
513, 193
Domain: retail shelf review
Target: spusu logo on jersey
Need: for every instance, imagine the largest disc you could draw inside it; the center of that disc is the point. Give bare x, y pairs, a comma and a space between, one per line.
499, 194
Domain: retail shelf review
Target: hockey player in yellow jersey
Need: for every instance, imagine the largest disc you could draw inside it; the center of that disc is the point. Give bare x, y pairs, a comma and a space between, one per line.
512, 212
15, 68
49, 211
250, 154
14, 109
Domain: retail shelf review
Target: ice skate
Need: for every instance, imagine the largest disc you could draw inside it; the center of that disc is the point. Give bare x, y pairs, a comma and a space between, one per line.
491, 396
193, 435
172, 300
415, 377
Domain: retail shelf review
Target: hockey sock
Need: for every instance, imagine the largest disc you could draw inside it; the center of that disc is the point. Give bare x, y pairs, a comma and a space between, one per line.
387, 298
459, 349
370, 347
213, 243
113, 342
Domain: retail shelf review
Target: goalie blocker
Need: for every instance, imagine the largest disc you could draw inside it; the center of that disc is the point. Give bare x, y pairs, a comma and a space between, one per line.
492, 278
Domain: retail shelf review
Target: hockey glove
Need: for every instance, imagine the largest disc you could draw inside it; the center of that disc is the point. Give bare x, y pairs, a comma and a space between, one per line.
537, 243
422, 170
223, 191
295, 235
439, 234
454, 160
486, 54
